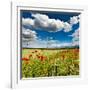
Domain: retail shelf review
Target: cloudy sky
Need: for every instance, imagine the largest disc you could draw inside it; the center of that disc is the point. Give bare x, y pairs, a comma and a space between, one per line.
42, 29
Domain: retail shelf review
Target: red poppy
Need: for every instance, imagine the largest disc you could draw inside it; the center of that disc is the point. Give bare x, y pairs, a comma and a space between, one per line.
42, 58
25, 59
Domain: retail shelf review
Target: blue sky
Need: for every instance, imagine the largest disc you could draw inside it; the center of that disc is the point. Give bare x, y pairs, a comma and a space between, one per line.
60, 27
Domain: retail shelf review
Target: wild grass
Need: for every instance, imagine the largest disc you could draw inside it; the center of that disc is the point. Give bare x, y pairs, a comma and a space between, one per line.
49, 62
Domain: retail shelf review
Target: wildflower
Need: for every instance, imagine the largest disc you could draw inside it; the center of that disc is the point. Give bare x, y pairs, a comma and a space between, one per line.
25, 59
42, 58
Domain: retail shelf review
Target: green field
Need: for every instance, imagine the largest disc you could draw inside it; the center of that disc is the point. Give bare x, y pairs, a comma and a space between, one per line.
49, 62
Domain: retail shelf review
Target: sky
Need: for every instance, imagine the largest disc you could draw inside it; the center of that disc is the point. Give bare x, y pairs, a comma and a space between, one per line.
42, 29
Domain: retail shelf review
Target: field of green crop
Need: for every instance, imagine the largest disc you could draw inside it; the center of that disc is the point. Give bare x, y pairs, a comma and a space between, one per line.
49, 62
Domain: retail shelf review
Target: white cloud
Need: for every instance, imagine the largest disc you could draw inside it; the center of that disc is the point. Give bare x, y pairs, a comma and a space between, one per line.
28, 22
75, 39
60, 44
67, 27
46, 44
74, 20
75, 34
75, 43
28, 35
36, 44
43, 22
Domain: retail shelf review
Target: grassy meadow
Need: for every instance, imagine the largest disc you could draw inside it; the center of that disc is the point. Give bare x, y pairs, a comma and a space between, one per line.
49, 62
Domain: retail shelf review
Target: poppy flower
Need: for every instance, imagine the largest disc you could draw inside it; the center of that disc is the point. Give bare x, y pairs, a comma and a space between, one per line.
42, 58
25, 59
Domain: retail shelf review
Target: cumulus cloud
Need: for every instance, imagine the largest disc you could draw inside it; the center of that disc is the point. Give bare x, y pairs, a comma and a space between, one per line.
28, 21
43, 22
75, 39
28, 35
74, 20
67, 27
